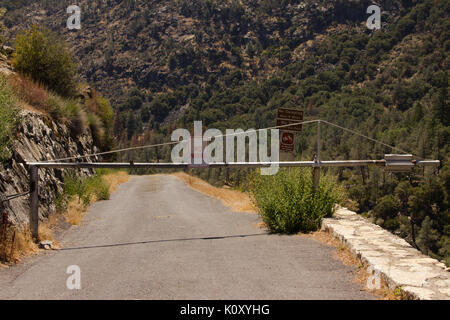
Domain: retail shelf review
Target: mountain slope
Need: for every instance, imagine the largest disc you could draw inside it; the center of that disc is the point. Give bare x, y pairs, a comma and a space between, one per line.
233, 63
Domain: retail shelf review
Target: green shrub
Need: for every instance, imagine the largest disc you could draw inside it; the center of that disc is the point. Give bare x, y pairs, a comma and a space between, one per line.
391, 224
8, 118
96, 127
287, 201
47, 60
96, 186
54, 106
74, 186
387, 207
100, 116
85, 188
77, 117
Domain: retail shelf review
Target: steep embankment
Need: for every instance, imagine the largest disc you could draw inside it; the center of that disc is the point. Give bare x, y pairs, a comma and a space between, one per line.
38, 137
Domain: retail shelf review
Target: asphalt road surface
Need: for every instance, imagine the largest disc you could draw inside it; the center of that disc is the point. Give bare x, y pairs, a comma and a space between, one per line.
158, 239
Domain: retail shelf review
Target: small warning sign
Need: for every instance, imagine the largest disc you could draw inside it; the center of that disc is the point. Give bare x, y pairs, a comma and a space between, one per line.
287, 141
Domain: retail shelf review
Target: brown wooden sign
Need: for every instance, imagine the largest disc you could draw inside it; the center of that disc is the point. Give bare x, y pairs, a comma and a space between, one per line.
293, 126
290, 116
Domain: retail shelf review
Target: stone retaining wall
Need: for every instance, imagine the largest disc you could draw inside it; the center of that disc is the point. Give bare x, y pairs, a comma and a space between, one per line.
402, 266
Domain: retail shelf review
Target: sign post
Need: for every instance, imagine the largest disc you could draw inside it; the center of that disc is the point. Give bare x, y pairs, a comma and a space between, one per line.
316, 170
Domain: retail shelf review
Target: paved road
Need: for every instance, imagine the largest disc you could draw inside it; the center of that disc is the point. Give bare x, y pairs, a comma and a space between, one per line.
158, 239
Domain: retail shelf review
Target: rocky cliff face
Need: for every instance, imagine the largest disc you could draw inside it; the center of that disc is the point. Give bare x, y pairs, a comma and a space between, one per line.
39, 139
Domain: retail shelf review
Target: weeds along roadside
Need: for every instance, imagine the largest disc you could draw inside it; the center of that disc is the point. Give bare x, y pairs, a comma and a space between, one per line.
79, 193
72, 205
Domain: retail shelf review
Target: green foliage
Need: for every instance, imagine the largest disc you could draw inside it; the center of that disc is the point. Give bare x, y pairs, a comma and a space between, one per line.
2, 26
441, 106
387, 207
100, 117
85, 188
428, 239
8, 118
46, 59
15, 4
96, 128
288, 203
74, 187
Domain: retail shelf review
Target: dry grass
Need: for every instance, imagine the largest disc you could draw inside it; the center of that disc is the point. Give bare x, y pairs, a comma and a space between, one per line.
46, 228
15, 245
23, 246
262, 225
344, 255
30, 92
115, 179
29, 107
19, 244
76, 210
235, 200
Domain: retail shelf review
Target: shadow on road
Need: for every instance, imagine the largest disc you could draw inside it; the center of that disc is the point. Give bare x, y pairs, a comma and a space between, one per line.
166, 240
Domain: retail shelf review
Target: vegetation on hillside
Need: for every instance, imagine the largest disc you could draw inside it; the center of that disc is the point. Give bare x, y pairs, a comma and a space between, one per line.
2, 26
47, 82
40, 56
8, 118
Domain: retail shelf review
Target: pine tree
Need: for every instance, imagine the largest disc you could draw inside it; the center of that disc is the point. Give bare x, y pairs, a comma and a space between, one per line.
440, 102
428, 236
418, 113
116, 124
131, 125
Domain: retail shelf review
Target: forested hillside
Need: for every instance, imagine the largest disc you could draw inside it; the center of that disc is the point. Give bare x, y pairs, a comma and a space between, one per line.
231, 64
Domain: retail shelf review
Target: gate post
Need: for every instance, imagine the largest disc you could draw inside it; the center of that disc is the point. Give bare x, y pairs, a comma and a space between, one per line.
316, 178
34, 202
316, 170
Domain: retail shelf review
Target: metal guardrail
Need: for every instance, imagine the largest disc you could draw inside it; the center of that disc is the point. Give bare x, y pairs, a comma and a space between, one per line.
125, 165
283, 164
316, 165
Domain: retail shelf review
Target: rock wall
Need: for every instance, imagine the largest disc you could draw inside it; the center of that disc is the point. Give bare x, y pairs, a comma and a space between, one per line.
39, 138
390, 257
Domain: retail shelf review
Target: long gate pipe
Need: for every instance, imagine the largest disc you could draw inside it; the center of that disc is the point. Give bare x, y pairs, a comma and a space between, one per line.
33, 168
